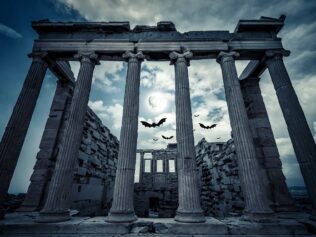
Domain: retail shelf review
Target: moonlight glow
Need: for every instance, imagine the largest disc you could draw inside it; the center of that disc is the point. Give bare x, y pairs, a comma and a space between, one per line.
157, 102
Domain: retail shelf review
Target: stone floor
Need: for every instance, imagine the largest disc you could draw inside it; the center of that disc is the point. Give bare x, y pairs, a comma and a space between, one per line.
23, 225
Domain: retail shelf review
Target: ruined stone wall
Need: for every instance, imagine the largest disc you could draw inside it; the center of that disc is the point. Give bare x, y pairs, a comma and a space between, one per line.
94, 177
219, 181
97, 158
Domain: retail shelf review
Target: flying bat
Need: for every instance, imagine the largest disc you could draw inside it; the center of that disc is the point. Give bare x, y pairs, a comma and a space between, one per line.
219, 138
155, 139
152, 125
166, 137
196, 115
207, 127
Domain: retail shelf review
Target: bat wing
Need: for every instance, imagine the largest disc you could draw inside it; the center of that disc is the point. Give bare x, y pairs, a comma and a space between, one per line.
170, 137
161, 121
202, 125
213, 125
164, 137
146, 124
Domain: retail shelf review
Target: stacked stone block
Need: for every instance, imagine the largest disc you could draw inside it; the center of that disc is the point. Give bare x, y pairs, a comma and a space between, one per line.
219, 181
97, 158
95, 173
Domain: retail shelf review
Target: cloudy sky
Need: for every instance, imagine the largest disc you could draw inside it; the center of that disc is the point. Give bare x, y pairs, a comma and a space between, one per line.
157, 79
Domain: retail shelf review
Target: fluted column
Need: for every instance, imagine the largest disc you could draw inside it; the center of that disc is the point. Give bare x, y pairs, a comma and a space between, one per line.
266, 148
58, 200
15, 132
189, 209
300, 134
48, 148
122, 209
256, 200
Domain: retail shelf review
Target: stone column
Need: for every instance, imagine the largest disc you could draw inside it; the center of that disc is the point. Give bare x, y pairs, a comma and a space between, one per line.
189, 209
122, 209
15, 132
46, 157
266, 148
300, 134
256, 201
58, 200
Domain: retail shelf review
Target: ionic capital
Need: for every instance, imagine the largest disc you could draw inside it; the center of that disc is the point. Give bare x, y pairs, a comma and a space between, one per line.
130, 56
90, 57
180, 57
275, 55
226, 56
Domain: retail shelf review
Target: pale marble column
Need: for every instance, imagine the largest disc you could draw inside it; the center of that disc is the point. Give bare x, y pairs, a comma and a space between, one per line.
257, 203
189, 209
300, 134
58, 200
122, 209
15, 132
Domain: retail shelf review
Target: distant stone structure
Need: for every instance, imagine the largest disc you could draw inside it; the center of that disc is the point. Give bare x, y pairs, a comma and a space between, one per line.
262, 181
94, 171
156, 193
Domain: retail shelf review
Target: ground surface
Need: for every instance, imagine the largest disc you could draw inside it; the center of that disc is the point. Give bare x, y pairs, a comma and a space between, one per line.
23, 225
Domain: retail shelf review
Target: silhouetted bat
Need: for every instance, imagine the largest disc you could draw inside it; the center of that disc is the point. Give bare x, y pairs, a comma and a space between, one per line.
152, 125
193, 130
219, 138
196, 115
155, 139
166, 137
208, 127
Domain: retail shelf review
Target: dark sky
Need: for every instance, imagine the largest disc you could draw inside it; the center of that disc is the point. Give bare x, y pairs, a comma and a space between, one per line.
208, 99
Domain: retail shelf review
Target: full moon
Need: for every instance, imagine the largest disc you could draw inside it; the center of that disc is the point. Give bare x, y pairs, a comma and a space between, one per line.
157, 102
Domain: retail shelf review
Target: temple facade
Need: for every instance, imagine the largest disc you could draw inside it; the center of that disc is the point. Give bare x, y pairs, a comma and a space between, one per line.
261, 179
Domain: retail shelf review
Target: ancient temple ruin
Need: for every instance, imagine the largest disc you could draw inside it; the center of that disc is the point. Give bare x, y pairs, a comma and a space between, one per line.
262, 181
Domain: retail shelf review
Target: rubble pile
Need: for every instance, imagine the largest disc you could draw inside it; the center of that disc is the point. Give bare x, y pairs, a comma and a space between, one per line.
219, 181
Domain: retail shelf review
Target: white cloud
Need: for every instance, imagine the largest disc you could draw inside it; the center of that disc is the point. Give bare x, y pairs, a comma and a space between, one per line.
106, 76
7, 31
111, 115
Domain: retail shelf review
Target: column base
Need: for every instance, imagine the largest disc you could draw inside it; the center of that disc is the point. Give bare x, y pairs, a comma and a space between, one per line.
190, 217
121, 217
53, 216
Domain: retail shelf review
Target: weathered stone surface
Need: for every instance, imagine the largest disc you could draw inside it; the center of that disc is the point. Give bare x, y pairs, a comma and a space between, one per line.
23, 225
220, 183
122, 209
15, 132
189, 209
156, 193
266, 149
58, 200
249, 169
300, 134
